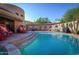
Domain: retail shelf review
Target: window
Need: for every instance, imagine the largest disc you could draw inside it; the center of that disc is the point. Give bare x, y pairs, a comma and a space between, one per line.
17, 14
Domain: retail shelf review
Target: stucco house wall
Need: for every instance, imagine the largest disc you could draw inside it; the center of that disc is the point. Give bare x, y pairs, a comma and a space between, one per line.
13, 13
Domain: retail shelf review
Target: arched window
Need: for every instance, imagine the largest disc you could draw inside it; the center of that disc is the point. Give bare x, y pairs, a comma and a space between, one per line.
17, 14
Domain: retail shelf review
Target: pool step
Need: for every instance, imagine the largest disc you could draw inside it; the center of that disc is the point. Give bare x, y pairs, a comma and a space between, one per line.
27, 41
20, 42
12, 50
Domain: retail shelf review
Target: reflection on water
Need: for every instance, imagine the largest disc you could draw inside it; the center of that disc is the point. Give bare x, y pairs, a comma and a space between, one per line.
52, 43
69, 39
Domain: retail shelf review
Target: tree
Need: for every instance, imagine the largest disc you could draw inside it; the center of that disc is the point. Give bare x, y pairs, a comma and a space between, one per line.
28, 22
42, 20
72, 15
62, 20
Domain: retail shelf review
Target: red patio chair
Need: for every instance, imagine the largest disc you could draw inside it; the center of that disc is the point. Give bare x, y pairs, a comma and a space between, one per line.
4, 33
1, 37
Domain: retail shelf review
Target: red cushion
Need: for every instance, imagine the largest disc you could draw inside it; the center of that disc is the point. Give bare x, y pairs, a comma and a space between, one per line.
2, 37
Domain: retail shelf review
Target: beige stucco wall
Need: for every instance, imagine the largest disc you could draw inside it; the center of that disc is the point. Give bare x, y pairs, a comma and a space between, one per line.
47, 27
11, 9
74, 23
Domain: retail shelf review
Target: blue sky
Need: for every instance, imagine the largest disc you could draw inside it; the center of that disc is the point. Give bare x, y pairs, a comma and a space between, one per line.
51, 10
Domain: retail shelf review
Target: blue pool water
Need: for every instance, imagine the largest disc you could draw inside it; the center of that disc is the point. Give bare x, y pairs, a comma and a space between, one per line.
46, 43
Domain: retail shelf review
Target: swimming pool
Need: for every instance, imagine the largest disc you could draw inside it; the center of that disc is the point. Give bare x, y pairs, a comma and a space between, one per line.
50, 43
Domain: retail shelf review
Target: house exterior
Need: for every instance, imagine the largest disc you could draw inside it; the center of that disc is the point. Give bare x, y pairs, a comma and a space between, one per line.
12, 16
45, 27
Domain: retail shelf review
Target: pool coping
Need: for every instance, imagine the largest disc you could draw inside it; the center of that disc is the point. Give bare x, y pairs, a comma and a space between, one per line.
74, 35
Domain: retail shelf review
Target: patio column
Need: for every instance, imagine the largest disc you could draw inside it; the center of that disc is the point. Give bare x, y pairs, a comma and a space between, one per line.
17, 24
